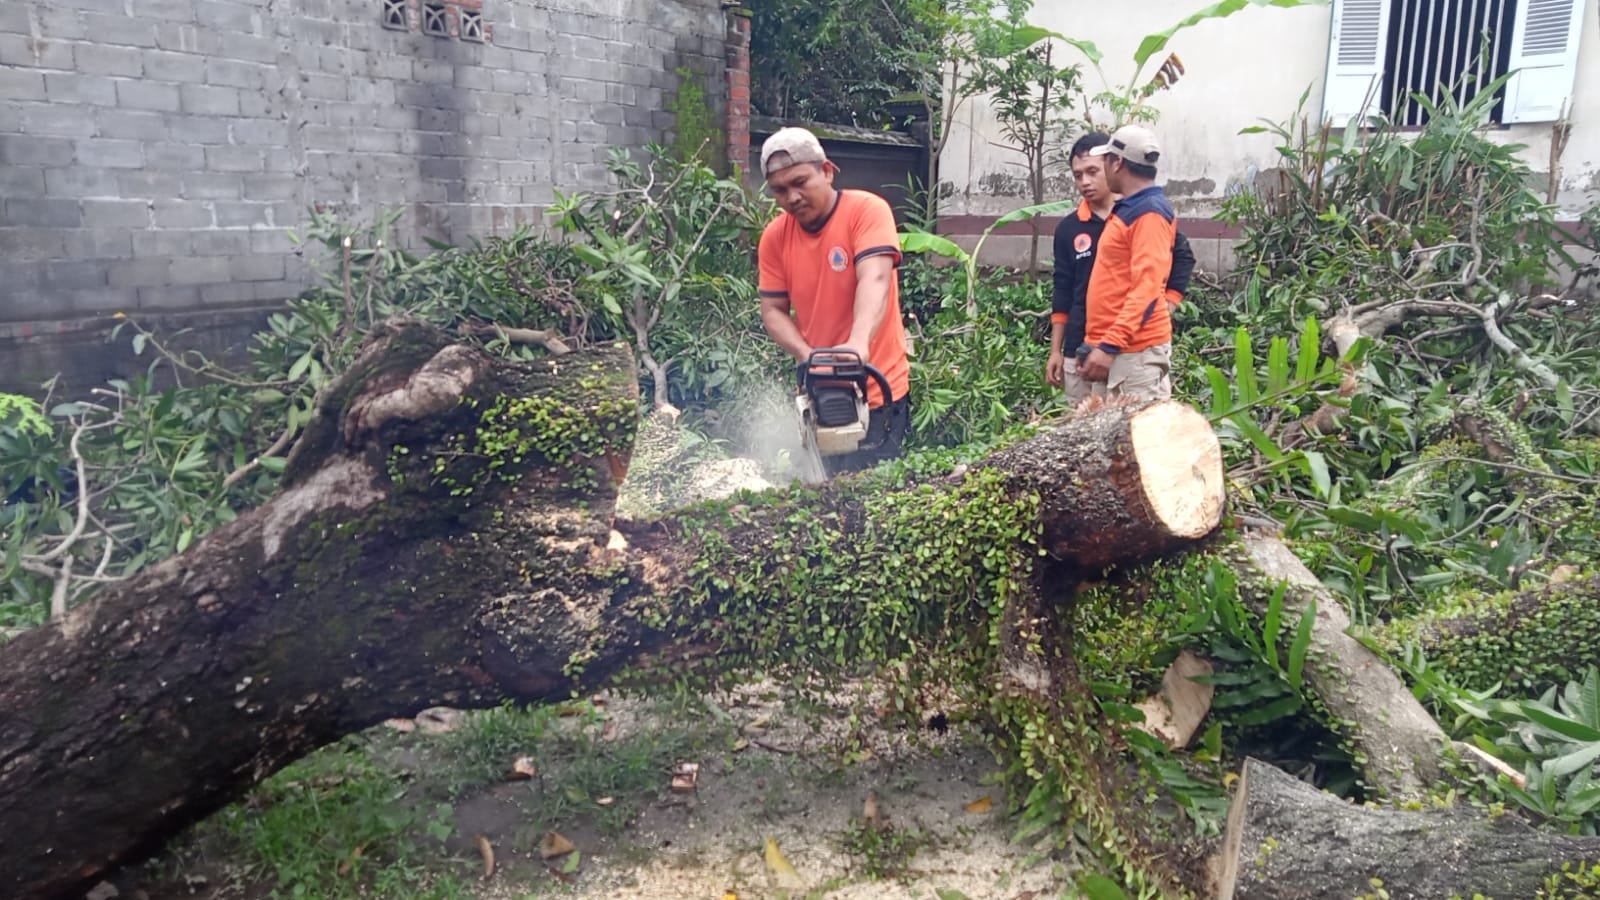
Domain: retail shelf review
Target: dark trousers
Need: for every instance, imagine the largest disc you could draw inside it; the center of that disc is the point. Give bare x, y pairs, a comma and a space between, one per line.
886, 426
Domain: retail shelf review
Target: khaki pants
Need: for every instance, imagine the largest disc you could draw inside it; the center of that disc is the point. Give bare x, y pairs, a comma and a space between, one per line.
1077, 390
1144, 374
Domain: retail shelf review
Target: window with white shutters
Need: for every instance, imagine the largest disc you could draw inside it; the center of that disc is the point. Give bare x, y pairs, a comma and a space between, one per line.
1385, 54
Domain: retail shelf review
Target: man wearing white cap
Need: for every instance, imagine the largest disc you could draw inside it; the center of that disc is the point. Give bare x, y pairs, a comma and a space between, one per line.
828, 280
1128, 324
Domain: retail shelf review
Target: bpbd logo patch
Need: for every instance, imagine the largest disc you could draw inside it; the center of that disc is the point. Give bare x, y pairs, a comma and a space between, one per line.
1082, 242
837, 259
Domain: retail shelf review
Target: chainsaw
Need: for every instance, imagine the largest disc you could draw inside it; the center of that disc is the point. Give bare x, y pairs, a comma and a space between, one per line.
833, 401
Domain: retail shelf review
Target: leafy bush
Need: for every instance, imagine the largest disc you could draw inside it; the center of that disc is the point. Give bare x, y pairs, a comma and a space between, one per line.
101, 486
972, 378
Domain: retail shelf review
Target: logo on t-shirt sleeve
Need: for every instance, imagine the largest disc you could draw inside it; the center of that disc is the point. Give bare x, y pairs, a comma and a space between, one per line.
837, 259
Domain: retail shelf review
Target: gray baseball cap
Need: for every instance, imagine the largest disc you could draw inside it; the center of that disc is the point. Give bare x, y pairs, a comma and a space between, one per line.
800, 145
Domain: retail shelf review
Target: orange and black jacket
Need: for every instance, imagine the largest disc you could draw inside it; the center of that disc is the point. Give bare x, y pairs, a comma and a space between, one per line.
1077, 237
1125, 307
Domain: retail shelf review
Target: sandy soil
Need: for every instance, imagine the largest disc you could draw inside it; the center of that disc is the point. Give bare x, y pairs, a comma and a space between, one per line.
789, 781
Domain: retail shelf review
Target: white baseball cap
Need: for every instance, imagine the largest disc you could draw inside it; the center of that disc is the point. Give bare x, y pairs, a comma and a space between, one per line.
800, 145
1134, 143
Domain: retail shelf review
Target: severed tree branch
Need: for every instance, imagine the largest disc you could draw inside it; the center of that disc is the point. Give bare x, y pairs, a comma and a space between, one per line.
536, 336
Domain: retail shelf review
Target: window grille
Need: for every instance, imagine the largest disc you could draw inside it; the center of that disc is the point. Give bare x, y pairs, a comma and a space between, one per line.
435, 21
394, 15
1444, 49
471, 25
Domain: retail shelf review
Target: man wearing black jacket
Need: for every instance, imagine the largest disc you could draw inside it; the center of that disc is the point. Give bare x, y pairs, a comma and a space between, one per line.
1077, 238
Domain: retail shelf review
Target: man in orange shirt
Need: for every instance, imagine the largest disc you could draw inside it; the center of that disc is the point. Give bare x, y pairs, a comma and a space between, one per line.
1128, 325
828, 280
1075, 240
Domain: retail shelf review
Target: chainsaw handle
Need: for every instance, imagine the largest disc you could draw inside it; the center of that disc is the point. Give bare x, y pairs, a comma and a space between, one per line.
857, 368
848, 358
888, 398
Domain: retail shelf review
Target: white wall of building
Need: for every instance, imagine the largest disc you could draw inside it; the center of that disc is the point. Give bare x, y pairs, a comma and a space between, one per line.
1250, 66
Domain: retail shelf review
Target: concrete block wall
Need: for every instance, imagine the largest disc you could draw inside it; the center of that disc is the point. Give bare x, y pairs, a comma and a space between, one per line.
155, 153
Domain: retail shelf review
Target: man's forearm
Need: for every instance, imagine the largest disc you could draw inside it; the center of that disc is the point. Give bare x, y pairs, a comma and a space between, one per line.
872, 300
1058, 332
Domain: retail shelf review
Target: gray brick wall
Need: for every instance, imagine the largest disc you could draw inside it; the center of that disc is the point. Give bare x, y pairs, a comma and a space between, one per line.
154, 153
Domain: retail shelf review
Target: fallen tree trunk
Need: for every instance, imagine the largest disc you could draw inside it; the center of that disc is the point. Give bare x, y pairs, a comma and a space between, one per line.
444, 536
1395, 740
1527, 641
1286, 840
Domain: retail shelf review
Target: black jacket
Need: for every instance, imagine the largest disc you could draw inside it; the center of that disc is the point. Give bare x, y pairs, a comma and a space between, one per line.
1077, 239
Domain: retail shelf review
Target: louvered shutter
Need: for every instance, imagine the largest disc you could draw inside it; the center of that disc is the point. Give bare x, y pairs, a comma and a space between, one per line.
1354, 82
1544, 55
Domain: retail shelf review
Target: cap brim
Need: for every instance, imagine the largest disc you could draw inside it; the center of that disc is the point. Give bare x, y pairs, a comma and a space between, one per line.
1101, 150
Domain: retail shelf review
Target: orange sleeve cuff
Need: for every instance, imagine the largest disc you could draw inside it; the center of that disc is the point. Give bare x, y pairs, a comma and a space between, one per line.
1174, 296
1058, 318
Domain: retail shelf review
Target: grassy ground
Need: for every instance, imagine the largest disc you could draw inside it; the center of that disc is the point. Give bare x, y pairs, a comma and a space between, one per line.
779, 809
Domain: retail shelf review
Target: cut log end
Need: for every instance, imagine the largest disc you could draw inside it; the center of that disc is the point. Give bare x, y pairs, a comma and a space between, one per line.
1180, 467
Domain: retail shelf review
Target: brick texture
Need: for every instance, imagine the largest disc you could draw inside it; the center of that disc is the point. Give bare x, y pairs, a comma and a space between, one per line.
155, 153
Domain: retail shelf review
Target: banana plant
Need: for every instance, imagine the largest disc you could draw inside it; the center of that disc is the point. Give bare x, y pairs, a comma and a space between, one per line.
1127, 102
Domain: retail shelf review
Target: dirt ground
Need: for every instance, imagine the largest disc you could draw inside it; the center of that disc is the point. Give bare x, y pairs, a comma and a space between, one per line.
713, 844
781, 782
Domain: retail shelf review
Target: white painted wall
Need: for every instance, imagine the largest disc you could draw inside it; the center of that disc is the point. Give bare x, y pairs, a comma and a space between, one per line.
1252, 65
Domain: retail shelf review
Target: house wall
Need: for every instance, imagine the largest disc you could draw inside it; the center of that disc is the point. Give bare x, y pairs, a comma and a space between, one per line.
154, 153
1251, 66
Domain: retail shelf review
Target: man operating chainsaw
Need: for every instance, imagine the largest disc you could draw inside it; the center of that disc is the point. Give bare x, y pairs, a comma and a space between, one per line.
828, 283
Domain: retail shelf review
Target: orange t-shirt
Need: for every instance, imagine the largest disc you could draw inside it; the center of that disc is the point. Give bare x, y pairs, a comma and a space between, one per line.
817, 272
1126, 308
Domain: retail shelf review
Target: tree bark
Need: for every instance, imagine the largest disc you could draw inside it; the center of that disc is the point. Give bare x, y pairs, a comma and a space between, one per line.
1286, 840
1526, 642
1396, 741
445, 537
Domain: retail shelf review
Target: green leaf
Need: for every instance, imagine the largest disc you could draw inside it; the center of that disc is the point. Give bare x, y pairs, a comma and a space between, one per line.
1564, 401
1025, 36
1099, 887
1271, 624
1581, 699
1264, 688
1565, 726
1253, 433
1155, 43
950, 894
1277, 365
1581, 803
1244, 367
1572, 762
573, 860
1317, 467
1221, 392
1272, 712
300, 366
274, 464
589, 255
1310, 351
923, 242
1302, 645
138, 344
1030, 212
1087, 48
